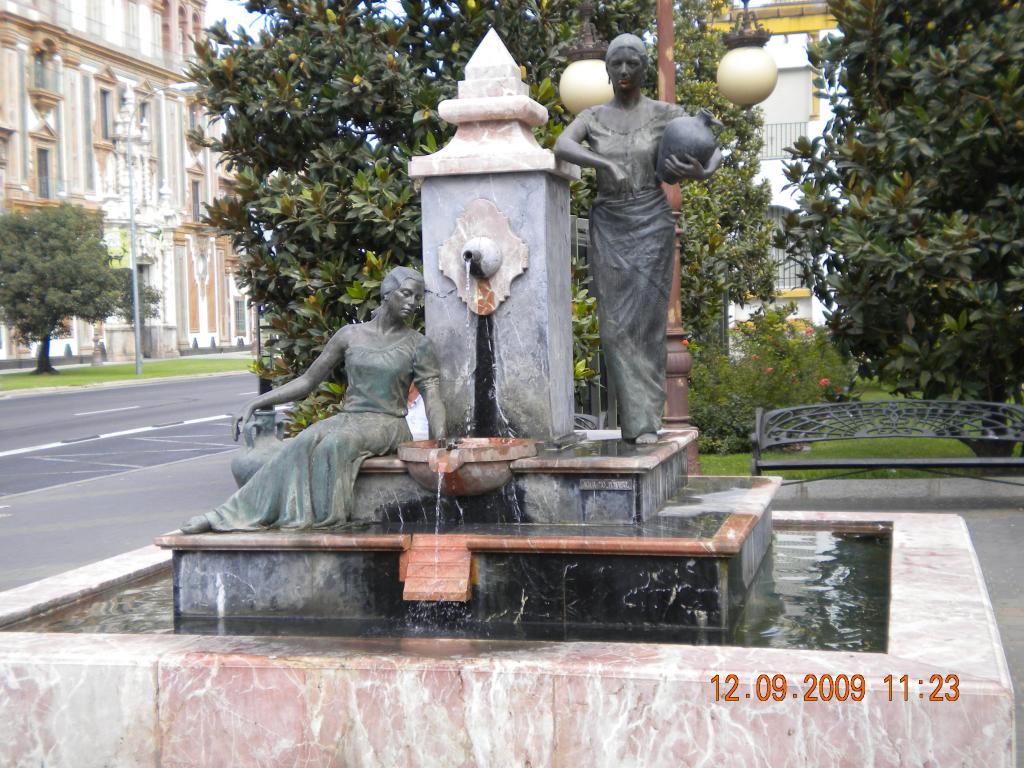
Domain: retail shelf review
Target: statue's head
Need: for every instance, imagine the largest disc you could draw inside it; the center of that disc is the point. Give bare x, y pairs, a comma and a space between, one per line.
396, 278
626, 62
401, 292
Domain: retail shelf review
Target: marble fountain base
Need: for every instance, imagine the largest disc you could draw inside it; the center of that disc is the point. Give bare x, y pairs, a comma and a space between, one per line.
190, 700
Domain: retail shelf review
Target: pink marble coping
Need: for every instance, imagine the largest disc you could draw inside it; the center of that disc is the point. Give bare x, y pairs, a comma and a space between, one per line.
727, 541
668, 445
276, 540
165, 700
522, 109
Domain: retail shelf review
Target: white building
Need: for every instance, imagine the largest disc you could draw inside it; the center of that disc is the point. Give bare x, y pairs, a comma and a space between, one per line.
81, 82
791, 111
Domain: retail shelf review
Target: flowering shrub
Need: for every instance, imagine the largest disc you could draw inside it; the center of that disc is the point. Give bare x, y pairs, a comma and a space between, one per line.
774, 362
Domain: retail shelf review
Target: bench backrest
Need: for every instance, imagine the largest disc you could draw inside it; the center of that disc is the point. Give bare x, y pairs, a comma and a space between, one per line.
969, 419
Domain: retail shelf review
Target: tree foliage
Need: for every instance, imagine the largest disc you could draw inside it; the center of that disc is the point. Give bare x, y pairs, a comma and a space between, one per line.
726, 231
54, 265
910, 220
318, 117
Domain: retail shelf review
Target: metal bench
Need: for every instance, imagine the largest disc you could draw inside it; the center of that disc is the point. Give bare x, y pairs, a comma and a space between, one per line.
987, 423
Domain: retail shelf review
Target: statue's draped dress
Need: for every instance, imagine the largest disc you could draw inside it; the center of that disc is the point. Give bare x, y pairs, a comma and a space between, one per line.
632, 238
310, 482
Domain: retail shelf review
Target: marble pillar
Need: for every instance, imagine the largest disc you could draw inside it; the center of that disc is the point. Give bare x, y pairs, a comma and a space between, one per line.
504, 334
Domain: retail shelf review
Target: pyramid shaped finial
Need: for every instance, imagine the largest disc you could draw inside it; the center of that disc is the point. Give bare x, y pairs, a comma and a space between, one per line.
491, 71
491, 60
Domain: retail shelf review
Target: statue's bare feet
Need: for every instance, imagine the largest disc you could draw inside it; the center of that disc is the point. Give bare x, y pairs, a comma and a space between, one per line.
646, 438
197, 524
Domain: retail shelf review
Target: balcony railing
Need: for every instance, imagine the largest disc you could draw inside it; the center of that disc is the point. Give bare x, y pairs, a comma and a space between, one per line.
778, 136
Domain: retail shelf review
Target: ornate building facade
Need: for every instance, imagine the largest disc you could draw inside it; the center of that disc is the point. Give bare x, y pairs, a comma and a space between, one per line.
83, 84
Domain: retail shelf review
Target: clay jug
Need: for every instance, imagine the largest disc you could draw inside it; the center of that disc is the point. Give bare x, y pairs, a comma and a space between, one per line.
262, 435
689, 135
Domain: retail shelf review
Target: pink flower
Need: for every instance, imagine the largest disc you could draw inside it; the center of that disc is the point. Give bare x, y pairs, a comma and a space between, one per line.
686, 342
824, 383
808, 331
769, 369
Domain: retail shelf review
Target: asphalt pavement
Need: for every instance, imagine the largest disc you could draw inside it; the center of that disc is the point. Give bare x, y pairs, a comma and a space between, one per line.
46, 532
30, 419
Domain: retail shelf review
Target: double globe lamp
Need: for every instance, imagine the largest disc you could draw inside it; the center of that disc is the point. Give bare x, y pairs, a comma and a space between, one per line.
747, 74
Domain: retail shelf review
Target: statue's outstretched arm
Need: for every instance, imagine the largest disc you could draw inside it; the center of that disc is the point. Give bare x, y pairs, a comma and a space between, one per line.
296, 389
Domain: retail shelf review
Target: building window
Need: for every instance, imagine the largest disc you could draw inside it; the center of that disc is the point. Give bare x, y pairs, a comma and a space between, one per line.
788, 275
143, 113
43, 190
132, 32
240, 317
40, 78
106, 114
197, 208
193, 116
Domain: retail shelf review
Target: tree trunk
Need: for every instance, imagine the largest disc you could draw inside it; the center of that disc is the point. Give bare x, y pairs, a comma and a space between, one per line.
43, 364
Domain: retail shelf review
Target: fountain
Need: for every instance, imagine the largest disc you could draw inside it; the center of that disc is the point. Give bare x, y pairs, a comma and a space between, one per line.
419, 632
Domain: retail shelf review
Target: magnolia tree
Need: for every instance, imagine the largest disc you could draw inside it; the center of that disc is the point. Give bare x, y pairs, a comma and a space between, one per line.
319, 115
910, 222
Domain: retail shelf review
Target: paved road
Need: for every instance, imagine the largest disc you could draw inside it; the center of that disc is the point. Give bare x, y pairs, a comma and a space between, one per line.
28, 420
59, 437
46, 532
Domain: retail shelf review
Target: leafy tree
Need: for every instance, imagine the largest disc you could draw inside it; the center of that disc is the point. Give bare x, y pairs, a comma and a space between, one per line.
910, 220
319, 116
53, 265
149, 299
726, 231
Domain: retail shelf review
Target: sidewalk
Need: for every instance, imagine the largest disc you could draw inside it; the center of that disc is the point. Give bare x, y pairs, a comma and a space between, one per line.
994, 513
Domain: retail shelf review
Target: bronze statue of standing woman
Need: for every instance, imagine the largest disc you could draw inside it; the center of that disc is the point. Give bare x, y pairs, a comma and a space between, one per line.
632, 231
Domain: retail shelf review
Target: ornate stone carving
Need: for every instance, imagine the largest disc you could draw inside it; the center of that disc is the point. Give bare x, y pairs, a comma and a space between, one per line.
482, 286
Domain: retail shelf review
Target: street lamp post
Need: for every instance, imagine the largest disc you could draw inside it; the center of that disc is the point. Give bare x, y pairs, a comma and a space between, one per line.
185, 87
678, 359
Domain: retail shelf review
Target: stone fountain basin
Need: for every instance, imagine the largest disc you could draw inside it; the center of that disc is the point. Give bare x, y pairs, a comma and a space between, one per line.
474, 466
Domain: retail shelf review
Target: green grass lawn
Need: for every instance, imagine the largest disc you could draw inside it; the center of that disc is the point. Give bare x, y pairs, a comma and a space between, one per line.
906, 447
151, 369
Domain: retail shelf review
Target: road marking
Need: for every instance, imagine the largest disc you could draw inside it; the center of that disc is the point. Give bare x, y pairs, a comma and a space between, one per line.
122, 433
108, 410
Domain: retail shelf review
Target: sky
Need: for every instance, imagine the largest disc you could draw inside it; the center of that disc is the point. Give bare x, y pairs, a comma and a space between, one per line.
235, 13
232, 10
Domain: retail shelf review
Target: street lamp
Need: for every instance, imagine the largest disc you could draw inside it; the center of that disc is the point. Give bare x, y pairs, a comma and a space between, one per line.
747, 74
585, 83
185, 87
